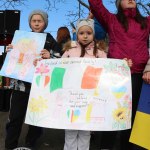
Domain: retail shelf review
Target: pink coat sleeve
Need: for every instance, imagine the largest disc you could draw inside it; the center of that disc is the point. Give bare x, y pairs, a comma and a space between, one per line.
65, 55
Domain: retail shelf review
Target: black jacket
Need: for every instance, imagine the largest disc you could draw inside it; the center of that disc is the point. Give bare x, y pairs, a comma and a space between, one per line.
51, 44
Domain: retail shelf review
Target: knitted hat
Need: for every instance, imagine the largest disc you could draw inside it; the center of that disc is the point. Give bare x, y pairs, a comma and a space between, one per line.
39, 12
85, 22
118, 3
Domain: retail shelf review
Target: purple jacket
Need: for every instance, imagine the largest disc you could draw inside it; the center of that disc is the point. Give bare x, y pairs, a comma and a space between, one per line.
131, 44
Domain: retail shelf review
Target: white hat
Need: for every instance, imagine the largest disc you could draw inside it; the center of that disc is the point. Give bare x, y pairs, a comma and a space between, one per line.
85, 22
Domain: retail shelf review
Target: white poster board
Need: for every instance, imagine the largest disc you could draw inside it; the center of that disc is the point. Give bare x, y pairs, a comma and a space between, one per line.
18, 63
81, 94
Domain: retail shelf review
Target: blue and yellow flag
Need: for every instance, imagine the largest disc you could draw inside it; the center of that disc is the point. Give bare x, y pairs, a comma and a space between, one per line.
140, 134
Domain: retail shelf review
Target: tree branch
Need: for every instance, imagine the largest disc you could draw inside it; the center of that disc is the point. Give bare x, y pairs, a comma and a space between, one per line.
83, 4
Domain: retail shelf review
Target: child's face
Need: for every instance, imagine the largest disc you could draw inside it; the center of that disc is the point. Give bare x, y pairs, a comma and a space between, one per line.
85, 35
128, 4
37, 23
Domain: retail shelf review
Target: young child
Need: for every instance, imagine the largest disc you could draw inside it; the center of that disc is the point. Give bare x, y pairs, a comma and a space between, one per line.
63, 36
38, 21
128, 33
84, 47
100, 33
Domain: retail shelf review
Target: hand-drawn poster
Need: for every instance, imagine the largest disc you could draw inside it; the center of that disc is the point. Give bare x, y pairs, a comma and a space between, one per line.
81, 93
19, 61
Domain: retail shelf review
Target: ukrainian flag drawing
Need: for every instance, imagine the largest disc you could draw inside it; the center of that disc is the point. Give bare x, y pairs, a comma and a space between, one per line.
140, 134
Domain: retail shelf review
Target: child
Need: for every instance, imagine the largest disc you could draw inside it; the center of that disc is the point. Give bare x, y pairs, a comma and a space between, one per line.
63, 36
128, 32
100, 33
38, 21
84, 47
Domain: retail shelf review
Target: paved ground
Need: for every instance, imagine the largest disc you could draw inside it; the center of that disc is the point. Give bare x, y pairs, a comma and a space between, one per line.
52, 139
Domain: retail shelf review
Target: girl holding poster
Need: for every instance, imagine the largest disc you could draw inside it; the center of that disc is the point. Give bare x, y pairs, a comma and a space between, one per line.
84, 47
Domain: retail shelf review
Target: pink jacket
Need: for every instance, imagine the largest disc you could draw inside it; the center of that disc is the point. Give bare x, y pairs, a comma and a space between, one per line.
131, 44
75, 51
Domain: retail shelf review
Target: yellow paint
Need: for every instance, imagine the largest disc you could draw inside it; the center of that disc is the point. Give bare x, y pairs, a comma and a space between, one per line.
140, 134
118, 95
37, 105
88, 113
74, 118
96, 92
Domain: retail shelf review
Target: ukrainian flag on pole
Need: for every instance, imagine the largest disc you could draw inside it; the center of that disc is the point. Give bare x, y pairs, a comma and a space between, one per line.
140, 134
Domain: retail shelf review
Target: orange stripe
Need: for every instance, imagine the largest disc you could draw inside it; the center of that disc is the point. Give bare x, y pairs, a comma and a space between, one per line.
72, 116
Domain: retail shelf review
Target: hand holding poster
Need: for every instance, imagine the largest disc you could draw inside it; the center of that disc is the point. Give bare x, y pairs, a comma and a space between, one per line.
81, 93
19, 61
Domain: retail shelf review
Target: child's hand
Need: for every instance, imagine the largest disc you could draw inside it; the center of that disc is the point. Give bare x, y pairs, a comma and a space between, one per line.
9, 47
36, 60
146, 77
129, 62
45, 54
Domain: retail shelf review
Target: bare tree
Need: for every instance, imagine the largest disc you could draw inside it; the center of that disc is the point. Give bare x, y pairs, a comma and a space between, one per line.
83, 4
145, 7
52, 4
72, 16
141, 3
12, 3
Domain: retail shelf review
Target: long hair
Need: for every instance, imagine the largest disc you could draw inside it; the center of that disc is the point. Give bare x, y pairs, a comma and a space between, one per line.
63, 35
124, 21
83, 51
98, 45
